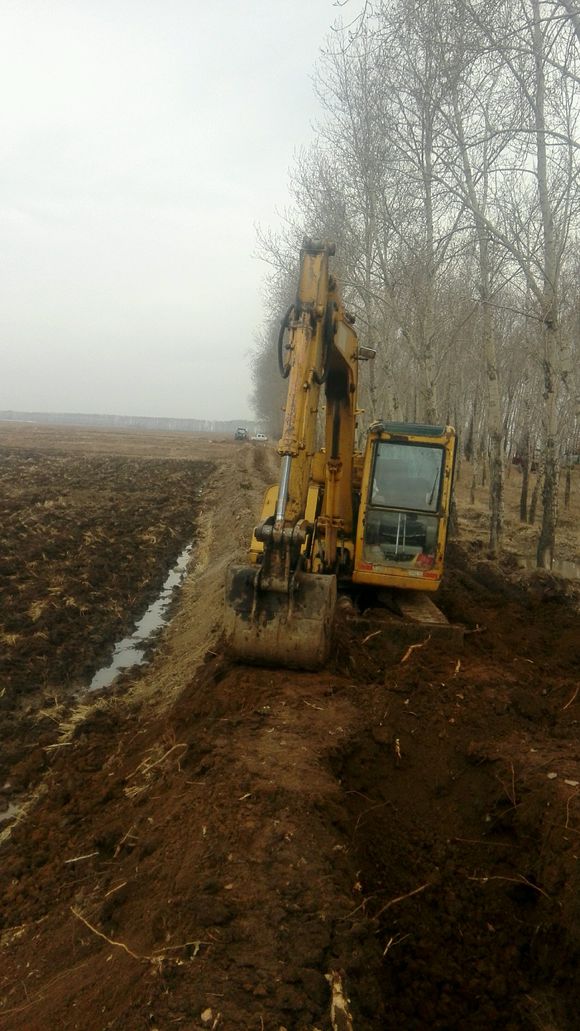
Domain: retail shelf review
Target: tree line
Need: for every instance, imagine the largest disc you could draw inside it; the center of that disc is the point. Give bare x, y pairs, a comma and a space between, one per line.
446, 170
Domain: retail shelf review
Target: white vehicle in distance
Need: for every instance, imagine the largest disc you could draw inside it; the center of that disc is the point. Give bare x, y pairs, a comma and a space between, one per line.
260, 437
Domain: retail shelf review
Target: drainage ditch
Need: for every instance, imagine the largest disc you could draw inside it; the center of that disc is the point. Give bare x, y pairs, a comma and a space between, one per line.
131, 651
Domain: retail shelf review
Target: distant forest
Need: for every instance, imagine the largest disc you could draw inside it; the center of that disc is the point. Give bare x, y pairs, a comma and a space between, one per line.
446, 171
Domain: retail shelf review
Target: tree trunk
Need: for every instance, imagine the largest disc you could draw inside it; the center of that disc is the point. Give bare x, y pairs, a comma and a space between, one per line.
525, 454
473, 483
524, 491
546, 544
535, 496
459, 450
568, 487
495, 495
547, 540
428, 403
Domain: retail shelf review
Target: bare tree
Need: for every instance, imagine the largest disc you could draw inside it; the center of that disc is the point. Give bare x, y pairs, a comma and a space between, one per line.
535, 194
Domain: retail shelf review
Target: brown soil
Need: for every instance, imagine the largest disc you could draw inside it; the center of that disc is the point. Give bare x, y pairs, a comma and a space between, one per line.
203, 844
85, 543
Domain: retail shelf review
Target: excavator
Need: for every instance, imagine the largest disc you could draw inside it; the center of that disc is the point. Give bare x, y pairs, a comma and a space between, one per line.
338, 518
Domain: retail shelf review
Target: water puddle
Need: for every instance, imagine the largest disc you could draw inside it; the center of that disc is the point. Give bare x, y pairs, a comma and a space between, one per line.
562, 567
129, 651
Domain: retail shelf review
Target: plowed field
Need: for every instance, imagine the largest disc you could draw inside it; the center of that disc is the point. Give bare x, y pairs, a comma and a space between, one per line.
209, 846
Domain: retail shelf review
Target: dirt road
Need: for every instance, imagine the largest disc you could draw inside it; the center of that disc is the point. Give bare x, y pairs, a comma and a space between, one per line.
208, 846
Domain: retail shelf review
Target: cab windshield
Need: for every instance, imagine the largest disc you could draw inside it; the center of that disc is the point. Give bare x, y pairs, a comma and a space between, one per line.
407, 476
401, 524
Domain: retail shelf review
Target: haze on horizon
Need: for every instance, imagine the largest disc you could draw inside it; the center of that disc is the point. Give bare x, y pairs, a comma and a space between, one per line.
140, 143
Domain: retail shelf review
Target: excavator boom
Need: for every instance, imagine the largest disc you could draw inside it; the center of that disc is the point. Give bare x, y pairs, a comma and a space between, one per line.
279, 610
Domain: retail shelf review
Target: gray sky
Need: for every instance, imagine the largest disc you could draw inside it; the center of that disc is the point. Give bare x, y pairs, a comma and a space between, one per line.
140, 142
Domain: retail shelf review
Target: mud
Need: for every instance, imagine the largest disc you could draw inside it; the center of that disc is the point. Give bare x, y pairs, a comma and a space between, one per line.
85, 543
208, 843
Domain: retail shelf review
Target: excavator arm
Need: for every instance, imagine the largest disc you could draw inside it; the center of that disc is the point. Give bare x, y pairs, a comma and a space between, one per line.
280, 610
310, 326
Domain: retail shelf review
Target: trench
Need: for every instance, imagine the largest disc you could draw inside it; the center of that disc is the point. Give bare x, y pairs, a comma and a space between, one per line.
131, 651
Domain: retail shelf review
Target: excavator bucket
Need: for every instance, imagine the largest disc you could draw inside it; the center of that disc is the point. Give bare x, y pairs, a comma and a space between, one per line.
271, 628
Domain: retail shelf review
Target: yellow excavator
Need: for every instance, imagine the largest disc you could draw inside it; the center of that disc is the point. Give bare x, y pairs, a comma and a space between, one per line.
337, 517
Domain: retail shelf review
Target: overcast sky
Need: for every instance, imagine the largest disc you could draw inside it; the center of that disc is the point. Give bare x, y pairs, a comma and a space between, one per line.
140, 143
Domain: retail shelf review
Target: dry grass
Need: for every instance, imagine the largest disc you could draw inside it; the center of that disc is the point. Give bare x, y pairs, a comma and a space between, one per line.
520, 539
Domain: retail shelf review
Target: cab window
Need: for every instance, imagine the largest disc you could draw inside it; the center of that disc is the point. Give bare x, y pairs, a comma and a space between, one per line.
407, 476
406, 538
401, 524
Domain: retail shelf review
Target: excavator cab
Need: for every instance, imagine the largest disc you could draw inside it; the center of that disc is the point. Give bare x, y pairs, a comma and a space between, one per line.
405, 501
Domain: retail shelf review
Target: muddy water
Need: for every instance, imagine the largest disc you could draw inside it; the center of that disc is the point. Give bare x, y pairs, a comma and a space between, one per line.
129, 651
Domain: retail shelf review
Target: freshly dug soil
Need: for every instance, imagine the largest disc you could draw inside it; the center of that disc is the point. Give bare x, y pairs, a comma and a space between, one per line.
208, 844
